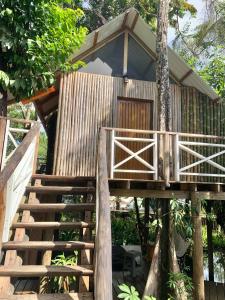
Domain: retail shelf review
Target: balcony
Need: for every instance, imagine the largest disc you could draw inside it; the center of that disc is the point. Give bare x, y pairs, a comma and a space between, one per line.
165, 156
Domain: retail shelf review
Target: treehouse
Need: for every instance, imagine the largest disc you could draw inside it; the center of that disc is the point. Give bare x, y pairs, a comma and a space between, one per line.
116, 90
102, 125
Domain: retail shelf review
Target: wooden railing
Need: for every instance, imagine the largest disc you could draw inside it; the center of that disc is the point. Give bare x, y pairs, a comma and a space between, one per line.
103, 243
172, 156
15, 175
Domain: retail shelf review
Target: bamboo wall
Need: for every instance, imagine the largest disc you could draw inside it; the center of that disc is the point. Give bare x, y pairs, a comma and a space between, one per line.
199, 114
86, 103
89, 101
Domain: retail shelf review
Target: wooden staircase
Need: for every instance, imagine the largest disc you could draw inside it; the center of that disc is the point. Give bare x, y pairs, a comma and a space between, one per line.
35, 239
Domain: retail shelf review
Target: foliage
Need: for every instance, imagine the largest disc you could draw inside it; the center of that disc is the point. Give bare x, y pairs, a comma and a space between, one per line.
124, 230
214, 72
37, 37
130, 293
61, 283
74, 234
203, 48
43, 145
218, 238
181, 216
99, 12
174, 284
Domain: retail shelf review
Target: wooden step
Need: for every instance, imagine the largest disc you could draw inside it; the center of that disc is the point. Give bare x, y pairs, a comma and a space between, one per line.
60, 190
46, 245
46, 207
52, 225
69, 296
39, 271
60, 179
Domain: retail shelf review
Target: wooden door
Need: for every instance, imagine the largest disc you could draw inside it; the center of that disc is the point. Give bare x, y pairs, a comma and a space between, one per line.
134, 114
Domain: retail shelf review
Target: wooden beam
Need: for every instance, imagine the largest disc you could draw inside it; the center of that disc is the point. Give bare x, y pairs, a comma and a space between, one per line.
150, 52
68, 296
186, 75
198, 273
125, 19
97, 46
95, 40
166, 194
125, 53
211, 195
39, 95
134, 21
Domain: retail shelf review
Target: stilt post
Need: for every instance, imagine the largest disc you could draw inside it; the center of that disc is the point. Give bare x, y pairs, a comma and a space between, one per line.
198, 274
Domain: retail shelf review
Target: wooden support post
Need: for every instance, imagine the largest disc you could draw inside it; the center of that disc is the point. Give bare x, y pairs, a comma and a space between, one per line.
146, 222
198, 274
2, 138
85, 255
103, 241
2, 215
209, 225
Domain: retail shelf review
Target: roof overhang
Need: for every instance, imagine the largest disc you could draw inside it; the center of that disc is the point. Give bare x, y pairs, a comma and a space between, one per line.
141, 31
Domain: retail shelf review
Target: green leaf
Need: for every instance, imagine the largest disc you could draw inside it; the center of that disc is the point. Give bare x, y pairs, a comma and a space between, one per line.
4, 79
124, 288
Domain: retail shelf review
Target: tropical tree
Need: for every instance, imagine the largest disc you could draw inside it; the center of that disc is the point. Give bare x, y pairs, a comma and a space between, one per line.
98, 12
36, 39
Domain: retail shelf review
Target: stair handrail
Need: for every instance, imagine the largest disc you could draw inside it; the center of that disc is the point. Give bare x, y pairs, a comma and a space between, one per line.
103, 240
23, 158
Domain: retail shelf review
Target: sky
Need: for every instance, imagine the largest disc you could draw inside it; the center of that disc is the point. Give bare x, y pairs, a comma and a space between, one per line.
199, 4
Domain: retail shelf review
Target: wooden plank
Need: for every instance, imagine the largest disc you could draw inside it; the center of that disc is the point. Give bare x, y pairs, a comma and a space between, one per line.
55, 178
47, 245
52, 225
69, 296
59, 190
46, 207
145, 193
38, 270
207, 292
220, 291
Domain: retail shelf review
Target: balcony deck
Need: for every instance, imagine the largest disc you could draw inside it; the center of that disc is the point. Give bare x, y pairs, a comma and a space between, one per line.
165, 157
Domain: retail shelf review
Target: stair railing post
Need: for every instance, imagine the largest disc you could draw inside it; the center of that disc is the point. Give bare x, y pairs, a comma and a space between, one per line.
155, 156
103, 241
177, 158
112, 154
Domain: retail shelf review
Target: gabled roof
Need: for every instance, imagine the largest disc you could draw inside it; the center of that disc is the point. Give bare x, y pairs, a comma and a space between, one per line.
141, 31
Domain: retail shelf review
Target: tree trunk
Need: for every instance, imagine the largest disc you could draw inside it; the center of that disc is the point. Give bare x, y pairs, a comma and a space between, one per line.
3, 103
164, 124
162, 72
